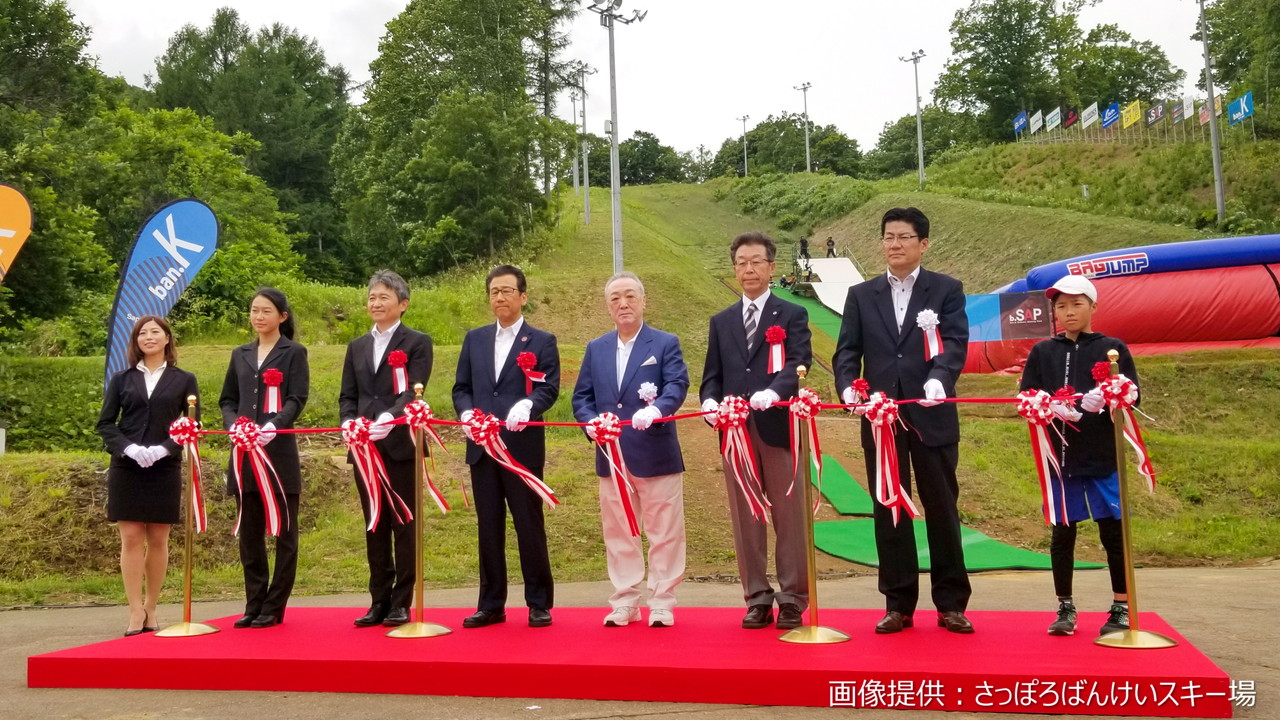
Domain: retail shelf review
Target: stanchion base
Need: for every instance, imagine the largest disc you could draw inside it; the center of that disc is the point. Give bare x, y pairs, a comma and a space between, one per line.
1136, 640
813, 635
419, 630
187, 629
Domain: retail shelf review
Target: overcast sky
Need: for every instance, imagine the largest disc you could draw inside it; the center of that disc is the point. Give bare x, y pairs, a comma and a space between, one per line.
690, 68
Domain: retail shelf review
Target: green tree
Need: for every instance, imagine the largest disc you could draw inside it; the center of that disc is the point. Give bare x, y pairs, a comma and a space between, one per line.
643, 160
1112, 65
43, 65
895, 152
549, 72
776, 144
275, 85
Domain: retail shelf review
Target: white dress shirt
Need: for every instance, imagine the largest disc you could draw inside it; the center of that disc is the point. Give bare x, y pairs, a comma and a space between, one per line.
380, 342
502, 342
149, 377
759, 303
902, 294
624, 355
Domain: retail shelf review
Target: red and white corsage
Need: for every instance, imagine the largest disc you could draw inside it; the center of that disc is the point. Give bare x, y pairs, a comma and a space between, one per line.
272, 378
775, 336
527, 361
928, 322
397, 359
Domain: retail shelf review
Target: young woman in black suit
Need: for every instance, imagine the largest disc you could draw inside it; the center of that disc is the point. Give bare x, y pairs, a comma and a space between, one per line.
144, 480
246, 392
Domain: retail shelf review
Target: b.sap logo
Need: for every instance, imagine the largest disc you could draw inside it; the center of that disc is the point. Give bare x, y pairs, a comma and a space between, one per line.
1128, 264
1027, 315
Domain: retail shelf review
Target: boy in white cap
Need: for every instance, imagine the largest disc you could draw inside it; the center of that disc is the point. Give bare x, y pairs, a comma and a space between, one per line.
1085, 449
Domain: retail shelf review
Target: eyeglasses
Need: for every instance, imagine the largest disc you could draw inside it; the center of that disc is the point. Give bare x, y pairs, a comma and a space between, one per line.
503, 292
889, 240
744, 264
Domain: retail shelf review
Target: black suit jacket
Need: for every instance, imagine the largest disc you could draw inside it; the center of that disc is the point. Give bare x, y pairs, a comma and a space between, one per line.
129, 417
892, 361
731, 370
368, 392
245, 395
475, 387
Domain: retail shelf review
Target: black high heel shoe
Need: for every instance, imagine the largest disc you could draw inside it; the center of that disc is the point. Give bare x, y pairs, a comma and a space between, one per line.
139, 631
149, 628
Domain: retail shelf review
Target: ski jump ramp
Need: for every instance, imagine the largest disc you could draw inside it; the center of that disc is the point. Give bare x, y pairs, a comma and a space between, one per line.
832, 279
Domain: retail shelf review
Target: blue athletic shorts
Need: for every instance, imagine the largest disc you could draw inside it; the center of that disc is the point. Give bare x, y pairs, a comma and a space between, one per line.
1090, 497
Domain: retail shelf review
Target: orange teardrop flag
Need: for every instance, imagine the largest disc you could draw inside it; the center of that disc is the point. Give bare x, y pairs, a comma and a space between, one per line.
15, 225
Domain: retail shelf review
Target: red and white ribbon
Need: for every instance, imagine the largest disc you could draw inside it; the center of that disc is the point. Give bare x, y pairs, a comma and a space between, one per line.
735, 449
485, 432
1120, 393
775, 336
928, 322
1036, 406
272, 378
397, 359
860, 388
418, 415
804, 411
882, 412
244, 436
186, 432
527, 361
608, 428
373, 473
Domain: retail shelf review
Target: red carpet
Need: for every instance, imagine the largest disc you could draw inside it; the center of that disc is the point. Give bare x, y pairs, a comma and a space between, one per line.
1009, 665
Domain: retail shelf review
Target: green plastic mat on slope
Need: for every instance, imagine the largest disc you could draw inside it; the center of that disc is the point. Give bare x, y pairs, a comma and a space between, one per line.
821, 316
854, 540
840, 489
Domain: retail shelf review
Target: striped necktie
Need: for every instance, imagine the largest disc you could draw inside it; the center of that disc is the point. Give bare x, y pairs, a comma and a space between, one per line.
750, 324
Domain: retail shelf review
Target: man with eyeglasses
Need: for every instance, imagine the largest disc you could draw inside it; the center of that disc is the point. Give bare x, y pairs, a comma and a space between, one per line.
906, 332
491, 379
738, 363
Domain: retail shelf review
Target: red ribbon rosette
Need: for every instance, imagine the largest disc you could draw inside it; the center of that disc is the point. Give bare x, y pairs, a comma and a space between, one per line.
397, 359
272, 378
861, 389
527, 361
775, 335
735, 449
1120, 394
186, 432
485, 433
373, 473
804, 411
1036, 407
608, 429
882, 413
244, 436
418, 415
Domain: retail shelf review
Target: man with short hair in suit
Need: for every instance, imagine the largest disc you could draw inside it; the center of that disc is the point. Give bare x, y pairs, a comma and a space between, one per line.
738, 364
881, 341
369, 390
489, 380
638, 373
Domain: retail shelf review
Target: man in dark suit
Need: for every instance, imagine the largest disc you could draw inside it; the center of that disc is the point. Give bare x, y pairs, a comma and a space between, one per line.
881, 340
372, 389
639, 374
489, 380
738, 364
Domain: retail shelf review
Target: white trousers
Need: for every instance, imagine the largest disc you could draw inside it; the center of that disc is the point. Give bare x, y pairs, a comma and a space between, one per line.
658, 503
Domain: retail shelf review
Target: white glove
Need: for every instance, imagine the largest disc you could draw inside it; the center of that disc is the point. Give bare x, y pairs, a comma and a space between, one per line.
1093, 401
645, 416
466, 429
710, 406
764, 400
519, 415
1065, 412
268, 434
380, 429
591, 431
849, 396
934, 393
139, 454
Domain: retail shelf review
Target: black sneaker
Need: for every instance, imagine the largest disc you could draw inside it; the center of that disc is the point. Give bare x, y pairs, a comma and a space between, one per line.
1117, 619
1066, 622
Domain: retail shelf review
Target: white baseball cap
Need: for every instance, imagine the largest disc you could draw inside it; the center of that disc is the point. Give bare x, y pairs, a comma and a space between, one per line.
1073, 285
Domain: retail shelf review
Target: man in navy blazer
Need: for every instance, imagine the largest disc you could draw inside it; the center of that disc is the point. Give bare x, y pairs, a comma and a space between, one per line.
881, 340
738, 364
639, 374
489, 380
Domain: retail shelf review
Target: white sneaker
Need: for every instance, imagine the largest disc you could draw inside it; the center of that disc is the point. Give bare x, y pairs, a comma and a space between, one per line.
661, 617
621, 617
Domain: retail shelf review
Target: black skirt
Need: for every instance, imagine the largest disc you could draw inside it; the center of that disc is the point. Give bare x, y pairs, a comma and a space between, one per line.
150, 495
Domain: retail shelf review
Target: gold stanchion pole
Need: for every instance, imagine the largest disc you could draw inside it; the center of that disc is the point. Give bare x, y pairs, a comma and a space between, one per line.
813, 633
186, 628
420, 628
1133, 638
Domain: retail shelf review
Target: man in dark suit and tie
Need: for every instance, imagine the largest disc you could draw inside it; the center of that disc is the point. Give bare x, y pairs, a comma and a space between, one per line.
373, 389
639, 374
489, 380
738, 364
881, 340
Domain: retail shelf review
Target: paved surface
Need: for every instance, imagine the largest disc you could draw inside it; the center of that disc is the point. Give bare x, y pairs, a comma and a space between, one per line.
1230, 614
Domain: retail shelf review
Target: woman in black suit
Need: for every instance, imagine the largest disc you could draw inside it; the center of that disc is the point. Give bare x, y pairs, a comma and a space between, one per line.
247, 393
144, 480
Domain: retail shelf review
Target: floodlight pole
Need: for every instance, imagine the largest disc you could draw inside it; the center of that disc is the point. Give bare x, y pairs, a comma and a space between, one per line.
1214, 138
804, 88
744, 120
915, 62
